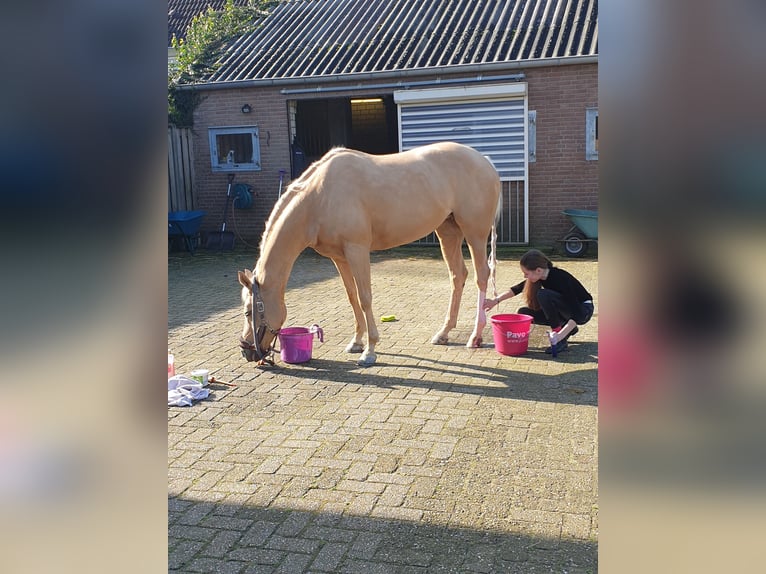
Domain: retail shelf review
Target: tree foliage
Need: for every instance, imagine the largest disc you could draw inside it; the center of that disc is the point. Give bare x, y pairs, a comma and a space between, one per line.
198, 55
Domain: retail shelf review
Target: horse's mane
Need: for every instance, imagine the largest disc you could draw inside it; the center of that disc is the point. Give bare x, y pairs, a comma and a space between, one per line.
294, 190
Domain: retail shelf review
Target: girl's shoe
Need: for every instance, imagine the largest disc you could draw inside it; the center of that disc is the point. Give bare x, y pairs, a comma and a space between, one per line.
558, 347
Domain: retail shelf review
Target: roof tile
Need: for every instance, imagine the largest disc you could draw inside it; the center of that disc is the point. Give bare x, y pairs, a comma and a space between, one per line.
319, 38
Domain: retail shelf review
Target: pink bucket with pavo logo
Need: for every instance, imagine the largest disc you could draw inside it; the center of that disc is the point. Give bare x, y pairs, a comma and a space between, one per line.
296, 343
511, 333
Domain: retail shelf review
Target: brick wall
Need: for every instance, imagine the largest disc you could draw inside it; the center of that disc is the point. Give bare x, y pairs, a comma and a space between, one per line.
561, 178
223, 108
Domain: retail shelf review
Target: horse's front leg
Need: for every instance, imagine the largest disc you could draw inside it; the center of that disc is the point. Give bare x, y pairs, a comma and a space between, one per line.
358, 258
356, 345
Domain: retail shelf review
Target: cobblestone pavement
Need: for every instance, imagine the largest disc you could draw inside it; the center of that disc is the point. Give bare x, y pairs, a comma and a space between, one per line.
436, 459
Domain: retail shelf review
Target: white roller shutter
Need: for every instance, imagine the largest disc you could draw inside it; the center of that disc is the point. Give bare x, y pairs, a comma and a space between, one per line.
492, 119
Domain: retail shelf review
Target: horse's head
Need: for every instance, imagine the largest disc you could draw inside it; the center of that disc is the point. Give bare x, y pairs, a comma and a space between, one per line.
264, 314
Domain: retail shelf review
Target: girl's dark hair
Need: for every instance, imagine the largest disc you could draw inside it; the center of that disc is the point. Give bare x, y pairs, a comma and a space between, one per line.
531, 260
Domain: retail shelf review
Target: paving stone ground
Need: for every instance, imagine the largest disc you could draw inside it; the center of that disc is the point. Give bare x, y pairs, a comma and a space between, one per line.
436, 459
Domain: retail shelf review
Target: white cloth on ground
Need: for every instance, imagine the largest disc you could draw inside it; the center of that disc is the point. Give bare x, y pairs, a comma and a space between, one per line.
183, 390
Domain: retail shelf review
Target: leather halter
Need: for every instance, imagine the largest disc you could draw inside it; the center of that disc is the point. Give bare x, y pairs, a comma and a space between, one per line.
252, 351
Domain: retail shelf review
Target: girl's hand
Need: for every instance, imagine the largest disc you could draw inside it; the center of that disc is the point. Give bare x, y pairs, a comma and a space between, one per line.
489, 303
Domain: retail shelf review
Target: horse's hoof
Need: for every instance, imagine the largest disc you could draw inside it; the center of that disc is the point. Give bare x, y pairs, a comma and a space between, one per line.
354, 348
367, 360
440, 339
474, 343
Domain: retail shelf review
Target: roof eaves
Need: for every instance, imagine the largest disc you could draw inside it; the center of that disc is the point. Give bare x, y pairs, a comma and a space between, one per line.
359, 77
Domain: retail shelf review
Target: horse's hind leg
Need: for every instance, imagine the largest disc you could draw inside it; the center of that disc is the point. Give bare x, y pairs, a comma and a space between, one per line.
357, 342
477, 245
451, 241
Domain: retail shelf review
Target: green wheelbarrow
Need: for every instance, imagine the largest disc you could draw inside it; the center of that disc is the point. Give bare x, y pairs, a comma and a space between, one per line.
583, 232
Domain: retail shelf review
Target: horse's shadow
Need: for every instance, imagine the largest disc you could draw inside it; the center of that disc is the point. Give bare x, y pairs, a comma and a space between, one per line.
577, 387
577, 353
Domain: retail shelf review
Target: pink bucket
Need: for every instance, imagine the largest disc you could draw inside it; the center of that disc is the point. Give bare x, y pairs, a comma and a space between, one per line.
511, 333
296, 343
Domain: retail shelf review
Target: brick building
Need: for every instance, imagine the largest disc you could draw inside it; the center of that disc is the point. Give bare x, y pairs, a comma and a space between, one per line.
516, 79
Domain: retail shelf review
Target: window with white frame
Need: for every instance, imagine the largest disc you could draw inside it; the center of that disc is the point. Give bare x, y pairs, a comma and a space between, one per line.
591, 134
235, 148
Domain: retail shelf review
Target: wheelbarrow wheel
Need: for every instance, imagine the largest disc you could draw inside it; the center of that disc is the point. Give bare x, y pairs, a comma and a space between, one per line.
575, 245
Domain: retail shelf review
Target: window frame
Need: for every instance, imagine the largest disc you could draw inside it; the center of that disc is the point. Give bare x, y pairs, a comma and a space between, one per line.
532, 136
591, 134
217, 165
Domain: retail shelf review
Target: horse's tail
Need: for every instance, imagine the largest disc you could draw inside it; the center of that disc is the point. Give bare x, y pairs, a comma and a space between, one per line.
492, 262
493, 245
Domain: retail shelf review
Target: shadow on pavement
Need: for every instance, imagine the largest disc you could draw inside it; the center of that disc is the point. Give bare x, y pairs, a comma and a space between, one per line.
578, 387
238, 538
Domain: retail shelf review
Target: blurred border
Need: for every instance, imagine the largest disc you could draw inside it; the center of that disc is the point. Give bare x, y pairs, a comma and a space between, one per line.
84, 290
682, 150
683, 184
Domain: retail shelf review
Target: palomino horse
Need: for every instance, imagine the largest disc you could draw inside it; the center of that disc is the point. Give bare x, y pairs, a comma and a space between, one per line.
349, 203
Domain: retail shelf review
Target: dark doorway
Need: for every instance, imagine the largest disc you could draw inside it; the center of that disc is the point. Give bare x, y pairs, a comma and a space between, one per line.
368, 124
